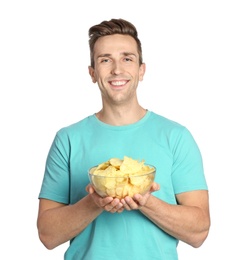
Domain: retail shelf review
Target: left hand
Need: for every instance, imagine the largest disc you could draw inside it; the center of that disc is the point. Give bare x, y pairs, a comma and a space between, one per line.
139, 200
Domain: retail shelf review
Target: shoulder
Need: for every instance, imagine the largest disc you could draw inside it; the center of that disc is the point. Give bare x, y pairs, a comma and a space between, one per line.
173, 130
164, 122
76, 127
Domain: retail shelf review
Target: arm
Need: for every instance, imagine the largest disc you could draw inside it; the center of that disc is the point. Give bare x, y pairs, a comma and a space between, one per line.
57, 223
189, 221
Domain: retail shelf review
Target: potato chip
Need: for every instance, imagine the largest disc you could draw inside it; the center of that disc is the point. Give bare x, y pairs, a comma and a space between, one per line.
130, 165
111, 192
103, 166
116, 162
120, 178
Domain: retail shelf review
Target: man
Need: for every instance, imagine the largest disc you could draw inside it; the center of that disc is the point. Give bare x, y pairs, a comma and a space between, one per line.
143, 227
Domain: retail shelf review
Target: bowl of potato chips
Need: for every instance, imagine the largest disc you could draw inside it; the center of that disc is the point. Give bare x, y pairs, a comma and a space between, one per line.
119, 178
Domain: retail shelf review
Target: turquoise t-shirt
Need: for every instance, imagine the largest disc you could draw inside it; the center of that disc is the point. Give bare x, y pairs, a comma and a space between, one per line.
129, 235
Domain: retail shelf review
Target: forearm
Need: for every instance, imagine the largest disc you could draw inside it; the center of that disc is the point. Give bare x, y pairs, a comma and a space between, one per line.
189, 224
60, 224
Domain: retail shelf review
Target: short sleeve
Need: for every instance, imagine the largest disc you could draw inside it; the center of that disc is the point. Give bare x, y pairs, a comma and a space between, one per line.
55, 185
187, 168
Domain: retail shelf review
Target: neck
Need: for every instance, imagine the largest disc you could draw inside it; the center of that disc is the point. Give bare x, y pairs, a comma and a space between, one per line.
121, 115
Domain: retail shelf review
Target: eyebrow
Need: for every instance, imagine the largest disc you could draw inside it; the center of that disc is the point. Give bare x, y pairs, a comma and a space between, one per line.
109, 55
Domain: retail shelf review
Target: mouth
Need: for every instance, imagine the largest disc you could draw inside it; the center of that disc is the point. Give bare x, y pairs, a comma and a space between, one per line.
118, 83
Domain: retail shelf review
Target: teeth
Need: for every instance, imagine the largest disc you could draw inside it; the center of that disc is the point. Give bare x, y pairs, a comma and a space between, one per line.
118, 83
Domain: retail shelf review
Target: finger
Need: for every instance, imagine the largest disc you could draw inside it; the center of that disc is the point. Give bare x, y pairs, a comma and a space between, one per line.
154, 187
114, 209
105, 201
118, 209
90, 189
127, 207
130, 203
113, 205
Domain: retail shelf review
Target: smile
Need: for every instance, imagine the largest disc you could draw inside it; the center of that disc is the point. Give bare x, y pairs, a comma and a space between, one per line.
118, 83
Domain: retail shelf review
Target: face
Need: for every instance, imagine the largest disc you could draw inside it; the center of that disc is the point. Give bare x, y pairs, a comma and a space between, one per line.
117, 70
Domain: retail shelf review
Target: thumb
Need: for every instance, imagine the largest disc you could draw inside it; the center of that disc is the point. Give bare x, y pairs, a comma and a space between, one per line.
155, 187
89, 189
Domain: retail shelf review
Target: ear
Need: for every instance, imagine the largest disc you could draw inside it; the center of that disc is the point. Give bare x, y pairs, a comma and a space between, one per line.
92, 74
142, 69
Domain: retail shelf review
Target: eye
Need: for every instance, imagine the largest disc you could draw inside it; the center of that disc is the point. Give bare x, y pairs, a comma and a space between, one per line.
127, 59
105, 60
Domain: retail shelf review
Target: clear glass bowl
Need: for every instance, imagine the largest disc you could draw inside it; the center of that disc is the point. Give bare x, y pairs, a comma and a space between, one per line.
122, 186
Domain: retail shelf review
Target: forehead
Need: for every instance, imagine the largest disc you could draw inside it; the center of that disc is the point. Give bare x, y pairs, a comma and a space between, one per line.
116, 43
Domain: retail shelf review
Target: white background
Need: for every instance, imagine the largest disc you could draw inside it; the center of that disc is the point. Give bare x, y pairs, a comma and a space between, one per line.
193, 52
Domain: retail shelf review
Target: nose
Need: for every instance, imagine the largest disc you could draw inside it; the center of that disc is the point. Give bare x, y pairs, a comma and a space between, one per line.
117, 68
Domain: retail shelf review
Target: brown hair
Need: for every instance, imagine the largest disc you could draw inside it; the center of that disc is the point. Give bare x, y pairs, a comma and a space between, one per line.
114, 26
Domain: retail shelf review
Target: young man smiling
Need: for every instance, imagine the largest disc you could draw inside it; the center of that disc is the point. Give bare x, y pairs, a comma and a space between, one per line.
146, 226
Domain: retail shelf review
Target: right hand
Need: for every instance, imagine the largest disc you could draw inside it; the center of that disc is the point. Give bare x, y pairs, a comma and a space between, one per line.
112, 205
